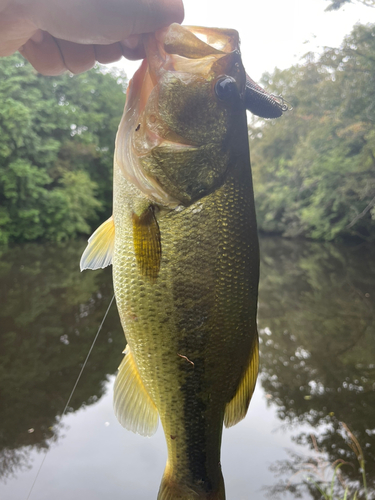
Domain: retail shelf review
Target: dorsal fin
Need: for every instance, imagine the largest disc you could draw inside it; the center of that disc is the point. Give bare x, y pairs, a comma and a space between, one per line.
99, 251
236, 409
133, 406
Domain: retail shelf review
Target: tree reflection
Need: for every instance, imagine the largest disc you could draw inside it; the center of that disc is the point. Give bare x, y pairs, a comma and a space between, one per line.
49, 315
317, 324
316, 319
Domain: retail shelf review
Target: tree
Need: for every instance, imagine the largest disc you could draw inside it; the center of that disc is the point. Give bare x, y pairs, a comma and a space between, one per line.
56, 149
314, 169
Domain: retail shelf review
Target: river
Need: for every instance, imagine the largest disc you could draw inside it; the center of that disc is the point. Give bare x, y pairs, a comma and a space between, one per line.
316, 385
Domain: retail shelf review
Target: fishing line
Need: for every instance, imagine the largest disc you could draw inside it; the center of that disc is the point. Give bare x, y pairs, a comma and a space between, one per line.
73, 390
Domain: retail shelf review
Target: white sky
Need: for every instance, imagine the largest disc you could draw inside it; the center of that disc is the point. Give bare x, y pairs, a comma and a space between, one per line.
274, 33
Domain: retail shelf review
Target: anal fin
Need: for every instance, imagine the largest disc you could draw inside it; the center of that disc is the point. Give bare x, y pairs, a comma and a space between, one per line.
133, 406
236, 409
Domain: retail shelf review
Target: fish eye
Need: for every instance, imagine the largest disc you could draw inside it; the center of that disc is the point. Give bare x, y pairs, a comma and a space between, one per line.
225, 88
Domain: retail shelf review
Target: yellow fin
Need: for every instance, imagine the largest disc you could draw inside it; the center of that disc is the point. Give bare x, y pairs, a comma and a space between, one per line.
133, 406
99, 251
173, 488
236, 409
147, 245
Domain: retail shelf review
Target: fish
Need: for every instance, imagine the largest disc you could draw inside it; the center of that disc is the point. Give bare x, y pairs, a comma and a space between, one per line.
183, 246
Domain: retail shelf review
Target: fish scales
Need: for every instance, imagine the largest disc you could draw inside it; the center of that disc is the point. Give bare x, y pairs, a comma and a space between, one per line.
200, 301
183, 244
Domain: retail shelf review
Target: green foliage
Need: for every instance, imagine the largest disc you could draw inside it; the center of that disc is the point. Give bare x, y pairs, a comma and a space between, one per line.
56, 150
70, 206
314, 169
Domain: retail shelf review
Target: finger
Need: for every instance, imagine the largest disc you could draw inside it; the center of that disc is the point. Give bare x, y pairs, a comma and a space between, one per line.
108, 53
132, 48
102, 22
157, 14
44, 54
77, 58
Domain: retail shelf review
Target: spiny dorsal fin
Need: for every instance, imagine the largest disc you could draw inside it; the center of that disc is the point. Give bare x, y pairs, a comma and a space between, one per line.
133, 406
236, 409
147, 244
99, 251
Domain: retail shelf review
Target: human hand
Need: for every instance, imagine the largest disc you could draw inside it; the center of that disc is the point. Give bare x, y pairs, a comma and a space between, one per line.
56, 35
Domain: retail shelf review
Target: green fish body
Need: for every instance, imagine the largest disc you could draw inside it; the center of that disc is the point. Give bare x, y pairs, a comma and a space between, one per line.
183, 244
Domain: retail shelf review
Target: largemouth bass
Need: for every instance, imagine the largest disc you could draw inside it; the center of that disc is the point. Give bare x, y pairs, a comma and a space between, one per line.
183, 244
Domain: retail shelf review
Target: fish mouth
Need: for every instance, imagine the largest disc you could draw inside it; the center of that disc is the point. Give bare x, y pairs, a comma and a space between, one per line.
188, 49
202, 52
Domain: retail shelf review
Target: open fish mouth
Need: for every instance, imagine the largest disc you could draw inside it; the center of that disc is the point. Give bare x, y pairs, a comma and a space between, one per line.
196, 49
191, 49
192, 52
159, 121
185, 49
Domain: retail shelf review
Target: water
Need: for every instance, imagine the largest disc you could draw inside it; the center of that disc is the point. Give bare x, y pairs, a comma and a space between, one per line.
317, 329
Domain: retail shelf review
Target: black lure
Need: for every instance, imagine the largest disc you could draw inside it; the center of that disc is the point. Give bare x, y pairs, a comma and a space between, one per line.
261, 103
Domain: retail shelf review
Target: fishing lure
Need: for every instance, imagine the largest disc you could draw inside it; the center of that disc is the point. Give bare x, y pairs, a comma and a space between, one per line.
261, 103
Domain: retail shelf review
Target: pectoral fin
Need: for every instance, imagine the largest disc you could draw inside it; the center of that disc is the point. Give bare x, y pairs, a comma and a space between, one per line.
99, 251
147, 244
133, 406
236, 409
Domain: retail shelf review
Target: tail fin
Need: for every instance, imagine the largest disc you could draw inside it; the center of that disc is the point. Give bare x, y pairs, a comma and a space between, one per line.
172, 489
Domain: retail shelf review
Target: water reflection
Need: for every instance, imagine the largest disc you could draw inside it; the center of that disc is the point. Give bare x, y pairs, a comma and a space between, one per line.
317, 323
49, 315
316, 320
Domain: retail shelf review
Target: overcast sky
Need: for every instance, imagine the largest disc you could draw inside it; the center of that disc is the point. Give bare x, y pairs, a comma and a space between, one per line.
274, 33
